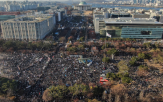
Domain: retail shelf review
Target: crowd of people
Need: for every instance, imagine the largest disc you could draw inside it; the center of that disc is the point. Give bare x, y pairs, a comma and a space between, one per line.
37, 71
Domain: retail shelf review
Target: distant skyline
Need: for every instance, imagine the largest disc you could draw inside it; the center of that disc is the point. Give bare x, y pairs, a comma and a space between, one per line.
40, 0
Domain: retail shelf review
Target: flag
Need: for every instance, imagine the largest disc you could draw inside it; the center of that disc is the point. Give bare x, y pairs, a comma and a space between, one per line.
107, 34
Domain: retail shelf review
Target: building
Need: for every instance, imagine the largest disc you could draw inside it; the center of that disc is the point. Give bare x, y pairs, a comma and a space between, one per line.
88, 13
76, 12
82, 6
28, 28
99, 23
139, 15
17, 6
59, 16
119, 14
128, 27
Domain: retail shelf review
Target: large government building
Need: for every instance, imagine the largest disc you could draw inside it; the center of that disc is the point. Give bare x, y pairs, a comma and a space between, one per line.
28, 28
128, 27
82, 6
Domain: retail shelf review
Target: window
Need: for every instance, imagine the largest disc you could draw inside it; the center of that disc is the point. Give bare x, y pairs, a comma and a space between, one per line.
146, 32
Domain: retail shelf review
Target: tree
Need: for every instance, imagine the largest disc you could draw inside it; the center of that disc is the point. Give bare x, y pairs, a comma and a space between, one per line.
123, 68
9, 44
39, 44
156, 45
144, 56
58, 91
142, 70
97, 91
31, 46
133, 60
62, 39
47, 96
148, 45
141, 55
142, 67
73, 49
111, 75
81, 46
126, 80
105, 59
118, 89
8, 85
81, 39
112, 52
78, 88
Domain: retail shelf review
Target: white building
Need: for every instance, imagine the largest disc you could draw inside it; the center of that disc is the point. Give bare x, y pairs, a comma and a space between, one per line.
15, 6
82, 6
28, 28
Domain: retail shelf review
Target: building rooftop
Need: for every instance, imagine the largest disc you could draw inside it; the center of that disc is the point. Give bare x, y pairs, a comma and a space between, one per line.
29, 19
130, 20
83, 3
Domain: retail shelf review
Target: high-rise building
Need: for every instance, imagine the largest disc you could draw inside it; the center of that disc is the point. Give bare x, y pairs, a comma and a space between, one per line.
28, 28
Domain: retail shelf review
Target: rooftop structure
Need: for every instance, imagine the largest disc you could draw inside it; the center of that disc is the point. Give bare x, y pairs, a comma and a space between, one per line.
82, 6
130, 20
83, 3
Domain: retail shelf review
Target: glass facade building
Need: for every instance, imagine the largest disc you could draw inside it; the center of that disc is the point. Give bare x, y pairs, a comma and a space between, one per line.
143, 28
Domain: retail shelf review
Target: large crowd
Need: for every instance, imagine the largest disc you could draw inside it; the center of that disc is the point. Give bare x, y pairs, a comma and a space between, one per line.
37, 71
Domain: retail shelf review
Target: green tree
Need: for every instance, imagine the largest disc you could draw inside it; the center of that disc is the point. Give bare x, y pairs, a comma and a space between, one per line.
81, 39
58, 91
73, 49
105, 59
78, 88
148, 45
133, 60
112, 52
81, 46
9, 44
123, 68
31, 46
141, 55
144, 56
7, 84
39, 45
112, 76
156, 45
142, 67
47, 46
126, 80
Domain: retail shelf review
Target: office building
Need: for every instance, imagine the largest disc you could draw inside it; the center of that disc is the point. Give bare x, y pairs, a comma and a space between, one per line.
127, 27
28, 28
